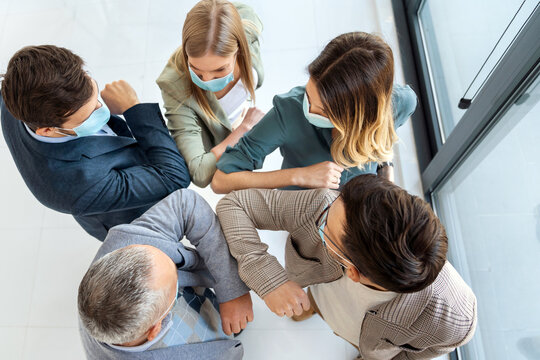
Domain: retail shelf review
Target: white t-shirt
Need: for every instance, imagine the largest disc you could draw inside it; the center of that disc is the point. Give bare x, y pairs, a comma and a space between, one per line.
343, 304
237, 100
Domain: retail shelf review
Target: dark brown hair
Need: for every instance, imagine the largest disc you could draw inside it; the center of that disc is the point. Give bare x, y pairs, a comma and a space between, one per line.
393, 237
354, 76
43, 85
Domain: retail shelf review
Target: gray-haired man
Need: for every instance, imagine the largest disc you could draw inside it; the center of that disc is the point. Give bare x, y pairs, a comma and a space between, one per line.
146, 296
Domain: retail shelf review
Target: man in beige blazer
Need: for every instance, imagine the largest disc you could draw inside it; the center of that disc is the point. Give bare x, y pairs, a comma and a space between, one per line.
373, 256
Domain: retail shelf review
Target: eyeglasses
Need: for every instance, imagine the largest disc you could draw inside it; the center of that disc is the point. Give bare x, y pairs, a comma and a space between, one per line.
321, 223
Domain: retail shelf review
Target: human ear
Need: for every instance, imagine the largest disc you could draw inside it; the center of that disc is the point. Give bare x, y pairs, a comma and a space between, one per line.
353, 273
154, 331
45, 131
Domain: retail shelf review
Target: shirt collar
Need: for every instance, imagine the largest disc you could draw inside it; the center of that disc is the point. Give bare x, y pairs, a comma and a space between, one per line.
47, 139
105, 130
165, 326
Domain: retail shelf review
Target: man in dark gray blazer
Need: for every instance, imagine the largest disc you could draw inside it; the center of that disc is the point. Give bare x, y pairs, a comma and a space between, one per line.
146, 296
74, 153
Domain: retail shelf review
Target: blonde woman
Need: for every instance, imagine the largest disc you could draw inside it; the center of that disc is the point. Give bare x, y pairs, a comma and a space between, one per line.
340, 125
209, 83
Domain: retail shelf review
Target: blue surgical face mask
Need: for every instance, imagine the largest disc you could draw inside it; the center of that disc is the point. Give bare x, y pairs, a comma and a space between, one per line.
215, 84
314, 119
93, 124
321, 229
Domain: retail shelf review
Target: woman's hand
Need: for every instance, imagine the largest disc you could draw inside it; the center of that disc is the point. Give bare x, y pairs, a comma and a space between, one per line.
326, 175
252, 117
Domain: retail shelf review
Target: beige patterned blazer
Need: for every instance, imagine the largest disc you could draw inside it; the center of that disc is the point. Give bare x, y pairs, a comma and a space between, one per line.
420, 325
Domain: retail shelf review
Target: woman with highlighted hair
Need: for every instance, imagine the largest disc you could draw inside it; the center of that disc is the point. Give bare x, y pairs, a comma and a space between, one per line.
340, 125
208, 85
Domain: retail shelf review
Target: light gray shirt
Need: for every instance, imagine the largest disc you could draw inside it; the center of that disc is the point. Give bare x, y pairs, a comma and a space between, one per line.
105, 131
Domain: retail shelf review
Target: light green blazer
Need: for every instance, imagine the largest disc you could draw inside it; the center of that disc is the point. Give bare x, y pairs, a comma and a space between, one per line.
194, 133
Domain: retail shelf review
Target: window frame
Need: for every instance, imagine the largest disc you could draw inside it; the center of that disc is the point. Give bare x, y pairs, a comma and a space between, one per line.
438, 157
521, 59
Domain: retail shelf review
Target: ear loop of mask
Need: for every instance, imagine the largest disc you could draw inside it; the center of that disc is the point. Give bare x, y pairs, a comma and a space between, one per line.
61, 133
76, 135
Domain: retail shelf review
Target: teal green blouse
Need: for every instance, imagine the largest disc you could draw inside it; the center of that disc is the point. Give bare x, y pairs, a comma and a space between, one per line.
300, 143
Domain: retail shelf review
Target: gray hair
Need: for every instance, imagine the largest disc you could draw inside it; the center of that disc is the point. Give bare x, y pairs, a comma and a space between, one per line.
116, 302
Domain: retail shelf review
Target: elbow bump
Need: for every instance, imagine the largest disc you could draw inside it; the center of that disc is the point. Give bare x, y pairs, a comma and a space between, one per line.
216, 187
218, 183
183, 181
201, 181
177, 181
177, 174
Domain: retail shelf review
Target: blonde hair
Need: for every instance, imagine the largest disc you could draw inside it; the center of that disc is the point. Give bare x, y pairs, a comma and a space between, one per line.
214, 26
354, 77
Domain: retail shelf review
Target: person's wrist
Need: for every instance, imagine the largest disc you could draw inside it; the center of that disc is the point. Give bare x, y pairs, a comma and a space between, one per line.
293, 177
244, 127
130, 106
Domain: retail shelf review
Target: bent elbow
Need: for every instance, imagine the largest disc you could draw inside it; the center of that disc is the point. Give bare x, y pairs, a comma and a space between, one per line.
176, 180
218, 183
185, 181
182, 180
179, 174
201, 180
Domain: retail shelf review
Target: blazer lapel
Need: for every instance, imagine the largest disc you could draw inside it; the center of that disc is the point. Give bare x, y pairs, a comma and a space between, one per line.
212, 125
218, 111
119, 126
99, 145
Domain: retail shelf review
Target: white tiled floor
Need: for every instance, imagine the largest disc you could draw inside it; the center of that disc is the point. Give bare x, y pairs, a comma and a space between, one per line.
44, 253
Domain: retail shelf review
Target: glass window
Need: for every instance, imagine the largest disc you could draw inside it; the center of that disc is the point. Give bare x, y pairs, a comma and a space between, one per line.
491, 209
463, 41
